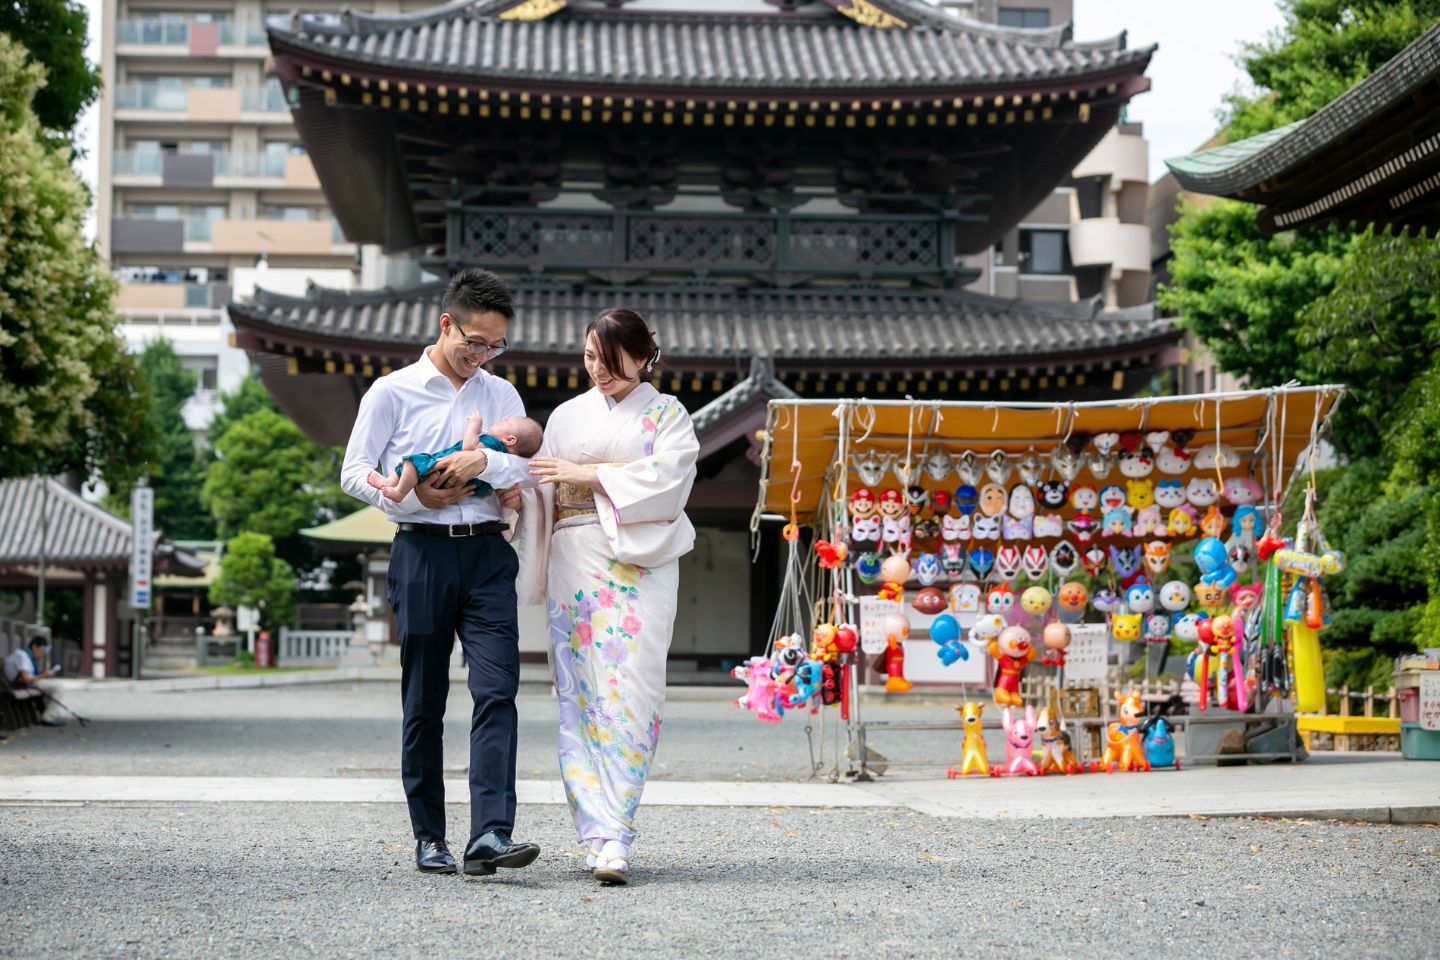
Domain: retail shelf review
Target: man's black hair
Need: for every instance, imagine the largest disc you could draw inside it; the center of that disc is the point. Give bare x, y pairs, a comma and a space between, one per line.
477, 291
38, 642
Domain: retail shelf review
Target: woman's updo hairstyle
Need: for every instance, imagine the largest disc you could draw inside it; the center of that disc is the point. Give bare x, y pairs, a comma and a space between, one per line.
620, 330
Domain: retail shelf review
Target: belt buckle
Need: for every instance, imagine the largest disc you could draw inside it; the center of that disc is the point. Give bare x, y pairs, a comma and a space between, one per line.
458, 530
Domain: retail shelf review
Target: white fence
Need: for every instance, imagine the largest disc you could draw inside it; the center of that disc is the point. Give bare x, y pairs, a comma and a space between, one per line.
313, 646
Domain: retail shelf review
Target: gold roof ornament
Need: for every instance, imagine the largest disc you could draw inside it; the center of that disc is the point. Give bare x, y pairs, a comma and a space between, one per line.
533, 10
867, 14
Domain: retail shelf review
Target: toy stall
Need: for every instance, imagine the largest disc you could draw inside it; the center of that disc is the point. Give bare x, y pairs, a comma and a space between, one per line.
1029, 555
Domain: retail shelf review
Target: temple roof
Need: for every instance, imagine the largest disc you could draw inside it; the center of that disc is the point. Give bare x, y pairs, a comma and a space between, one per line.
741, 408
1370, 155
78, 534
842, 327
813, 48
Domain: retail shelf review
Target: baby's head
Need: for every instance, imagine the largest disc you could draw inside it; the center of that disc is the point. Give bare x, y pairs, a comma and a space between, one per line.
521, 434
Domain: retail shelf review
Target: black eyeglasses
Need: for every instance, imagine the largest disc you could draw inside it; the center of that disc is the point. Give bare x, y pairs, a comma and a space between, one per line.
479, 347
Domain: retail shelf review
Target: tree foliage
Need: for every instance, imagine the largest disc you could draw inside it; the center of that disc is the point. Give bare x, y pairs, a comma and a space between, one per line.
1336, 304
53, 32
251, 575
264, 478
70, 397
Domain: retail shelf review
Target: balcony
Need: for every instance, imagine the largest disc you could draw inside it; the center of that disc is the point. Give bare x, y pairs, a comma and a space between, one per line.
879, 246
1105, 241
267, 99
163, 298
290, 170
186, 37
290, 237
148, 96
136, 163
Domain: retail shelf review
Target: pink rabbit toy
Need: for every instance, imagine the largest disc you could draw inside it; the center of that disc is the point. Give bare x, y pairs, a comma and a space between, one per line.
764, 689
1019, 735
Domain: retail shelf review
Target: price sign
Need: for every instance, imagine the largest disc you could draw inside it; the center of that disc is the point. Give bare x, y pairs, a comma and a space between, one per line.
1089, 651
1430, 700
142, 526
873, 612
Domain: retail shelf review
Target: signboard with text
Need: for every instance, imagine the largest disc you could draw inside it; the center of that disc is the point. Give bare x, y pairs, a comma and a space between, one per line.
1430, 701
1088, 654
142, 525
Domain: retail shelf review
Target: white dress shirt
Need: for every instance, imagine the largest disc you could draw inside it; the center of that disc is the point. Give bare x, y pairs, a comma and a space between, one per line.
418, 410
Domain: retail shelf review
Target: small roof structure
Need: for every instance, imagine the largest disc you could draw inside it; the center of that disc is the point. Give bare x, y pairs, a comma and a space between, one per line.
1372, 155
79, 535
366, 527
1280, 422
740, 409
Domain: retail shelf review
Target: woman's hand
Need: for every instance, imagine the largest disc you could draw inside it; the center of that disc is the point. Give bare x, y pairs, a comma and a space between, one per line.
555, 470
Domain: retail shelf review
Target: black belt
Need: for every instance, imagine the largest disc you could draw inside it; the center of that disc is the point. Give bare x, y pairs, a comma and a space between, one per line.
455, 530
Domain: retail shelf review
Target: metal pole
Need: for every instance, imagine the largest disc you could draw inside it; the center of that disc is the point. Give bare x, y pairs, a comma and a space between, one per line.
44, 530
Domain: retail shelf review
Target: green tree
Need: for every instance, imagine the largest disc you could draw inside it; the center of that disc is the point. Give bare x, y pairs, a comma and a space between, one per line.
1329, 304
251, 575
70, 398
53, 32
264, 478
239, 403
177, 470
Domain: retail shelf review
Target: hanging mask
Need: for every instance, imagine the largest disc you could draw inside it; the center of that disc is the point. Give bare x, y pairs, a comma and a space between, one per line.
1083, 527
981, 560
968, 467
1124, 561
892, 503
1130, 441
1182, 438
1139, 493
862, 503
1214, 455
1156, 440
1083, 497
940, 503
1049, 525
1052, 494
997, 467
1201, 491
867, 568
1035, 561
1172, 461
1007, 563
1116, 523
952, 560
992, 499
1016, 529
908, 472
1148, 522
1140, 597
923, 531
1170, 494
1112, 497
999, 599
1022, 502
927, 569
967, 498
1030, 467
1078, 442
985, 528
1241, 491
865, 530
1157, 628
1100, 464
1066, 462
1106, 442
1107, 601
938, 466
955, 528
871, 469
965, 598
917, 497
1175, 596
1136, 464
1064, 559
1157, 557
1093, 560
1212, 524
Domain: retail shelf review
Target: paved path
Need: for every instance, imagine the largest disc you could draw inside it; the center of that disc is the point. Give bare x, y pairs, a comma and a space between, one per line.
1379, 789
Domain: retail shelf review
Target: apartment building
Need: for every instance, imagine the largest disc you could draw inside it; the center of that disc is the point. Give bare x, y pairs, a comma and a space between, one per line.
1089, 238
203, 184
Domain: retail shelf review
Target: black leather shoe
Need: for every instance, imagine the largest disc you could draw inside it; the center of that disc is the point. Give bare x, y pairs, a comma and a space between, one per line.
433, 856
495, 850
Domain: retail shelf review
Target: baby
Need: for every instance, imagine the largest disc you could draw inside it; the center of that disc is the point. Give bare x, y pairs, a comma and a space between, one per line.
518, 435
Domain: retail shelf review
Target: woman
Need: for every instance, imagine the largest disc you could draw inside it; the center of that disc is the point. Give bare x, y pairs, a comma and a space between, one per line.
601, 536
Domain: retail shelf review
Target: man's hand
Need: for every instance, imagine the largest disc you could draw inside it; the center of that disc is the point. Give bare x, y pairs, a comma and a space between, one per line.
433, 497
458, 469
509, 498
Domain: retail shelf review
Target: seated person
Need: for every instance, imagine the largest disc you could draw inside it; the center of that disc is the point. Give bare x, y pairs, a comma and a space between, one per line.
27, 680
518, 435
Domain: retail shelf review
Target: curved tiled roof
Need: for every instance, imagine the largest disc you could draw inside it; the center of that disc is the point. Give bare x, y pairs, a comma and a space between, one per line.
761, 52
77, 533
760, 387
842, 325
1235, 168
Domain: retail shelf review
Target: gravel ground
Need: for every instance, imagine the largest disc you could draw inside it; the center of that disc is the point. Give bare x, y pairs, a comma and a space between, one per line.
354, 730
329, 881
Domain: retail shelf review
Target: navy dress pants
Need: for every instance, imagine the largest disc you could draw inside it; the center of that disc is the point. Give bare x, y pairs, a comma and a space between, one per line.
440, 588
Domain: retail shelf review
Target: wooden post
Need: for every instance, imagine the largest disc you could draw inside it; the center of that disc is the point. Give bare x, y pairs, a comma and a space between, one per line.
1369, 701
1342, 740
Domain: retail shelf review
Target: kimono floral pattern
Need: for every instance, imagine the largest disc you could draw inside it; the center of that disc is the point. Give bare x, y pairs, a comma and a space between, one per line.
610, 719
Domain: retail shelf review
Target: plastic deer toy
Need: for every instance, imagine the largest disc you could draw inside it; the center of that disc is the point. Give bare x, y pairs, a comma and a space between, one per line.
973, 749
1055, 753
1019, 737
1123, 746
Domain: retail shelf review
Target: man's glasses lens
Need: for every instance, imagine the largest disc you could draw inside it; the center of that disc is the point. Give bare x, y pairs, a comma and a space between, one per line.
478, 347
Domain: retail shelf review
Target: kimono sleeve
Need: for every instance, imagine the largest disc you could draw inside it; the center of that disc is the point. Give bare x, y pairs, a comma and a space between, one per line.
531, 540
655, 487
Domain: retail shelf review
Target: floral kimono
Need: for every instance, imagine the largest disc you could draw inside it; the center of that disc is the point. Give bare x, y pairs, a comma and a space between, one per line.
606, 561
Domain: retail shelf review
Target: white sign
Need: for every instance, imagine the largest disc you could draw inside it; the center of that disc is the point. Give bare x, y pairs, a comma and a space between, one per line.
922, 662
247, 618
873, 612
1086, 657
142, 525
1430, 700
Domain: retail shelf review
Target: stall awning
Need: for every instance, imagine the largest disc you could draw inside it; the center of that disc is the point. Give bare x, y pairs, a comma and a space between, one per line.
366, 527
1261, 426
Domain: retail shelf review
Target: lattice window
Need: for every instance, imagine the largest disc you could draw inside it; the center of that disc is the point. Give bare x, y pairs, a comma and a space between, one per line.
701, 242
901, 243
559, 239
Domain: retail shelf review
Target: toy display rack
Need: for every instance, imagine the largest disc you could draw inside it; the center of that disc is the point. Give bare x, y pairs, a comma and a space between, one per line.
811, 447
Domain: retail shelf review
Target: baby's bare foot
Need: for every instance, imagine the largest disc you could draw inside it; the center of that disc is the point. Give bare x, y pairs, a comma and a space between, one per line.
376, 481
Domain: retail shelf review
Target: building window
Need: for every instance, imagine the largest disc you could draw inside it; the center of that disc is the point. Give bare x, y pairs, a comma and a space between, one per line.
206, 370
1021, 17
1044, 251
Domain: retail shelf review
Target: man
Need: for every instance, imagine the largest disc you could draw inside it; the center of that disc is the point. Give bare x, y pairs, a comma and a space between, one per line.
451, 570
28, 680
